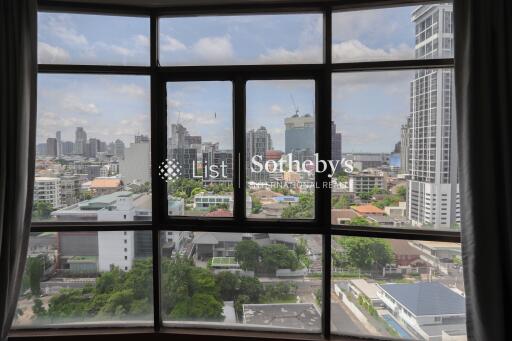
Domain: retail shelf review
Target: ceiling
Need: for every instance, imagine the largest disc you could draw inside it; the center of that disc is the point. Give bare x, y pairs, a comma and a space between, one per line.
173, 3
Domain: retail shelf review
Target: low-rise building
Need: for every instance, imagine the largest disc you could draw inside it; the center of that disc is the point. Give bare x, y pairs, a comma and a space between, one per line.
284, 316
365, 183
426, 308
47, 189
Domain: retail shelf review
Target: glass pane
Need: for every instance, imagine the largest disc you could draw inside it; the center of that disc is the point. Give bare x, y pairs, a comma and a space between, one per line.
399, 288
92, 39
93, 150
280, 149
402, 146
199, 166
261, 281
241, 39
78, 279
409, 32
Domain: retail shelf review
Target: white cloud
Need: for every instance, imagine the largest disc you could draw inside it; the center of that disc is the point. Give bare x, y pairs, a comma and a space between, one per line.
173, 103
170, 44
355, 50
61, 27
218, 49
47, 53
275, 108
312, 54
130, 90
73, 103
141, 40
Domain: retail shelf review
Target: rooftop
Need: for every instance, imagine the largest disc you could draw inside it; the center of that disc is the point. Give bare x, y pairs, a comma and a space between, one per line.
367, 209
283, 315
106, 183
342, 213
427, 298
402, 247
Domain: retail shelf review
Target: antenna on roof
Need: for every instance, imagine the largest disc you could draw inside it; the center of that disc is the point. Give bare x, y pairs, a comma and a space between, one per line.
295, 107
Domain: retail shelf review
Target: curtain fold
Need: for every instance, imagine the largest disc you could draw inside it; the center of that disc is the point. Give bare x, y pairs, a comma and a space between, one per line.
483, 80
18, 77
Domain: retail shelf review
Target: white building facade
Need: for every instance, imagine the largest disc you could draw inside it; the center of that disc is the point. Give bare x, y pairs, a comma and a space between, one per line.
433, 190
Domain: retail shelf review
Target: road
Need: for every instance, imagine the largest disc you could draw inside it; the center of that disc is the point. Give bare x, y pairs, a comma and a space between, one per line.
342, 320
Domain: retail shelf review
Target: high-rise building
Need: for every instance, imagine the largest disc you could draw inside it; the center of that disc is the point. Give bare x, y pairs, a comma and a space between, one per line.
335, 144
51, 146
136, 165
258, 142
68, 147
405, 146
80, 141
180, 149
299, 133
69, 189
218, 158
141, 138
119, 149
59, 143
433, 189
94, 147
41, 149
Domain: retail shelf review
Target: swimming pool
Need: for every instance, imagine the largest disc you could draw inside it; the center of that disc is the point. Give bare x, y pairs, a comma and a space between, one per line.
398, 328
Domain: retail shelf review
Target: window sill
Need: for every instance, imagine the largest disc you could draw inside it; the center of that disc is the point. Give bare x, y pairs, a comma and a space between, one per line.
115, 334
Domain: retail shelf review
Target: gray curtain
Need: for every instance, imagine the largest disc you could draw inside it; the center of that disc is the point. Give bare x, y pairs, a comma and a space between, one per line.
18, 76
483, 73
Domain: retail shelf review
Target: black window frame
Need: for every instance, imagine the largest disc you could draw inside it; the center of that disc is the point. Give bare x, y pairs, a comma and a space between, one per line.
239, 74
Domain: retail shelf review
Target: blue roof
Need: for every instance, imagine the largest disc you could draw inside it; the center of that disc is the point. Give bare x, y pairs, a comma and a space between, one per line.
286, 198
427, 298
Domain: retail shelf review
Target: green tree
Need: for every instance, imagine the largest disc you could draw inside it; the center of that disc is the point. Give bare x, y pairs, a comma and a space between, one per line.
401, 191
278, 256
42, 209
364, 196
201, 306
189, 292
239, 303
228, 285
256, 205
247, 254
360, 221
35, 270
251, 287
301, 210
366, 253
342, 202
301, 250
38, 308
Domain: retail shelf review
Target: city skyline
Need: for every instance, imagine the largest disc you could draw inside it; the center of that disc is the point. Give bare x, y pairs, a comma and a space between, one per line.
396, 39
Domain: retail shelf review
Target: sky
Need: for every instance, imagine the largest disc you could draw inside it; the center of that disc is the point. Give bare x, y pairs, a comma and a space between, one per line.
368, 107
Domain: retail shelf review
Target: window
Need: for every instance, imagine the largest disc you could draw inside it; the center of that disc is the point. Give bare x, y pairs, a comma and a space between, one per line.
225, 40
230, 166
93, 150
237, 280
280, 149
200, 148
81, 39
77, 278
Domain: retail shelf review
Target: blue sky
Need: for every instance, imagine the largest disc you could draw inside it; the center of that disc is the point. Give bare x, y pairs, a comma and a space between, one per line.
367, 107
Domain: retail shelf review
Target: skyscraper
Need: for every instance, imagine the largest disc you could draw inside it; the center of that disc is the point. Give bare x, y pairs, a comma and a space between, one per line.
299, 133
335, 143
51, 146
179, 149
119, 149
433, 188
257, 143
80, 141
59, 143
